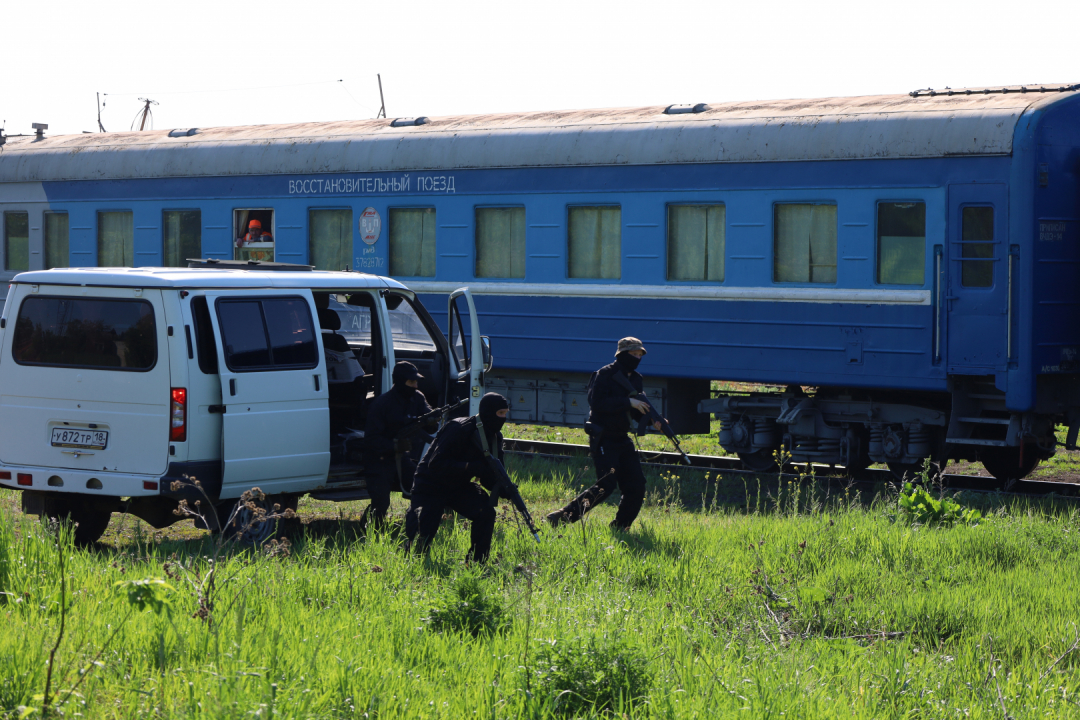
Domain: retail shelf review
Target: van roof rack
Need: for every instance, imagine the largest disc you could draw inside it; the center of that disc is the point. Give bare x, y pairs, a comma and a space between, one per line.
245, 265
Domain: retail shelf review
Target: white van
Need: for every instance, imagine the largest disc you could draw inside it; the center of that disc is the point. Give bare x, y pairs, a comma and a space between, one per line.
115, 383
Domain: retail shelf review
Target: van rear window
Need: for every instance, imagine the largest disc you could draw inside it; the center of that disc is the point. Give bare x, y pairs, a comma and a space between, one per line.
108, 334
267, 334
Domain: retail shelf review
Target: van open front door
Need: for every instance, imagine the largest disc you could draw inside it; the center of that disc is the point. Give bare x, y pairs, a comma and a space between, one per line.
276, 423
468, 350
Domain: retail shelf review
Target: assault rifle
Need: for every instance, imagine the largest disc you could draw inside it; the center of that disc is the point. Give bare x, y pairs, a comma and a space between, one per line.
503, 484
650, 417
410, 428
441, 414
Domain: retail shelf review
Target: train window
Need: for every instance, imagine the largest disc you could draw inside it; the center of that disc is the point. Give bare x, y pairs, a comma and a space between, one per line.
804, 243
116, 239
977, 247
901, 243
330, 239
182, 236
56, 240
696, 242
17, 240
595, 245
500, 242
254, 229
412, 242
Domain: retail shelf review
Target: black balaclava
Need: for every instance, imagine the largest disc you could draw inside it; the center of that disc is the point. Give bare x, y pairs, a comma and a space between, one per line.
627, 362
403, 372
489, 405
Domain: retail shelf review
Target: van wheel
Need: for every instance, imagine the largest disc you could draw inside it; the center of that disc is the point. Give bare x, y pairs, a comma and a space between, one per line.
90, 524
244, 530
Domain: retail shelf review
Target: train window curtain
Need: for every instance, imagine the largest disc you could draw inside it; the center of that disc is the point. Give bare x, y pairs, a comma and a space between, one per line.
805, 243
116, 239
56, 240
901, 243
500, 242
330, 238
977, 247
182, 238
17, 241
696, 242
412, 242
595, 243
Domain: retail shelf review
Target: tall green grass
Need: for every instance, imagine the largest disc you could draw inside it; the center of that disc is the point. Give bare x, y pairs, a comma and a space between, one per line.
724, 599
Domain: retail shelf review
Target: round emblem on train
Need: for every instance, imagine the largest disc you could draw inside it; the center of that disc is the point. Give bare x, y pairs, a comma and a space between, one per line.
370, 225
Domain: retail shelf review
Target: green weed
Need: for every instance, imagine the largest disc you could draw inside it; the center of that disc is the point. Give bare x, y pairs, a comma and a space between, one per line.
469, 609
591, 676
919, 507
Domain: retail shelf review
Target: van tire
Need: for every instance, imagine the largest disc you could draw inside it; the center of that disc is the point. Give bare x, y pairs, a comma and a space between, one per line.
90, 524
238, 531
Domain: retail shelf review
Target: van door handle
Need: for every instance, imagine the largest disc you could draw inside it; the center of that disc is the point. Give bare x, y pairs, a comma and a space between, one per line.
316, 382
232, 386
216, 409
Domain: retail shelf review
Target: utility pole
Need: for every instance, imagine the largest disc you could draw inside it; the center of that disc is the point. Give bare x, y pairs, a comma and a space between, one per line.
382, 110
146, 111
101, 128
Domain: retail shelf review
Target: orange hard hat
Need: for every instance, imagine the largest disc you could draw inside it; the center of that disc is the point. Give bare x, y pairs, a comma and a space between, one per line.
255, 224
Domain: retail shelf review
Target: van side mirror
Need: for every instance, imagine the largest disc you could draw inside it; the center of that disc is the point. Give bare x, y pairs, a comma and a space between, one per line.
485, 344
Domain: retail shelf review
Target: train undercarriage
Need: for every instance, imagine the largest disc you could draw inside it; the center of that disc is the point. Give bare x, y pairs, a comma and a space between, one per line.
854, 429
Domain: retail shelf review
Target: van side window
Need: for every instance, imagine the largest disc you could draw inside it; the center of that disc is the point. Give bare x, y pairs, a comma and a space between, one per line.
94, 333
267, 334
204, 335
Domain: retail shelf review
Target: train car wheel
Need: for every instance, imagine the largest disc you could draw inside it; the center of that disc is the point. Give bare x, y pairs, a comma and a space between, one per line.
911, 472
759, 461
1004, 463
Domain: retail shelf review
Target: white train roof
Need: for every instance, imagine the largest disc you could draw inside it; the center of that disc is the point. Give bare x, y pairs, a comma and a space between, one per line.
916, 125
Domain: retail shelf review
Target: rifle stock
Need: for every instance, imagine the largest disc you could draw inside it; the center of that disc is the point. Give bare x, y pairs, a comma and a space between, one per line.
651, 416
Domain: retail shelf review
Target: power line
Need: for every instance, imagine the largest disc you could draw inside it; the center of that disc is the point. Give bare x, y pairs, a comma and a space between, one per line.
221, 90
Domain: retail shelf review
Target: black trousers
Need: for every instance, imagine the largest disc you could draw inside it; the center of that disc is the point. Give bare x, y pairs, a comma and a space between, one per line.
617, 465
382, 479
469, 501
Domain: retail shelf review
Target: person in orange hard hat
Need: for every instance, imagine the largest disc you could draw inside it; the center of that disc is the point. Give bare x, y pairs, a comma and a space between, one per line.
254, 234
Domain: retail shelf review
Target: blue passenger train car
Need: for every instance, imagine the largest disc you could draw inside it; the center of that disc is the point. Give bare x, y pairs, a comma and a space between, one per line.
904, 268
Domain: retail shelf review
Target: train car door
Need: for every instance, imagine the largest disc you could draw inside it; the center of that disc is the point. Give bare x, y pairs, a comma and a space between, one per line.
977, 299
276, 422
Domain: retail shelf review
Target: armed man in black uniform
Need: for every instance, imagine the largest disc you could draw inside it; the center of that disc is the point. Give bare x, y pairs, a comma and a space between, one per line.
388, 465
611, 411
444, 478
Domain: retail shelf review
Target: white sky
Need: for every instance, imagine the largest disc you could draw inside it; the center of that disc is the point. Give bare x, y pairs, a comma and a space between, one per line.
203, 61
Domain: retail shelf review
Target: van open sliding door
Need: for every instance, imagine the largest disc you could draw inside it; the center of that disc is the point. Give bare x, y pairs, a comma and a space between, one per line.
276, 423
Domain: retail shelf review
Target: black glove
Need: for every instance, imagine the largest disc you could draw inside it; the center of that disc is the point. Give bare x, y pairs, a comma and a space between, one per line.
402, 445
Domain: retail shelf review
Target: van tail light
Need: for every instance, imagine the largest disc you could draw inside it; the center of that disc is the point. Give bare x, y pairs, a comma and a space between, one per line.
25, 479
178, 416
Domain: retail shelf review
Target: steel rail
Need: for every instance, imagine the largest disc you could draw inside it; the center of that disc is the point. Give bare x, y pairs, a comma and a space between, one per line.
733, 465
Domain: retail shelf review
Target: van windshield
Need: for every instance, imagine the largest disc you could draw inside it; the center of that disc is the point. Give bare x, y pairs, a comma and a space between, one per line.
110, 334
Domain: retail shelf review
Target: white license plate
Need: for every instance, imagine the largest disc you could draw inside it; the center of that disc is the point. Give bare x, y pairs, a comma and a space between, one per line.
88, 439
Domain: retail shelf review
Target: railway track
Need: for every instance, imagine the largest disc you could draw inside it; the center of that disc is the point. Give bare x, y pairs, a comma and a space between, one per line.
732, 465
